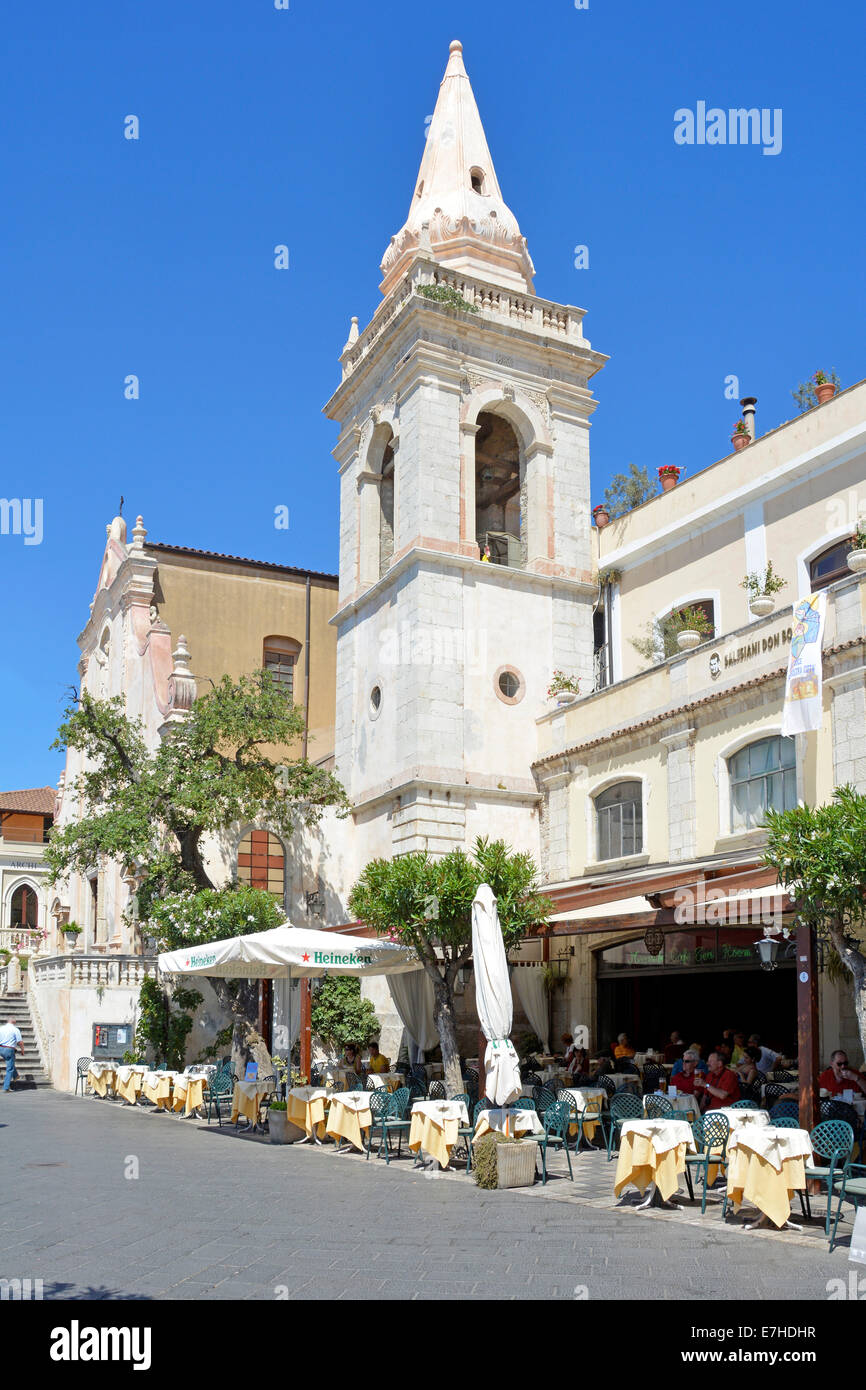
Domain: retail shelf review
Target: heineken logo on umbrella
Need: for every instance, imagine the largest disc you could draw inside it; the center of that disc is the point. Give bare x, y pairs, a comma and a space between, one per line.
332, 958
196, 961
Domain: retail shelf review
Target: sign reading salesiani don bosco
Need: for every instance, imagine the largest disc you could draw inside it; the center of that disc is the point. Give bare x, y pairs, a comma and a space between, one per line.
774, 641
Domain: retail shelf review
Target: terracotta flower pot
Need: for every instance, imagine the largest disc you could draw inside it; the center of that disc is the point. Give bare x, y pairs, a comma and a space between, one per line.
825, 392
601, 517
740, 440
668, 481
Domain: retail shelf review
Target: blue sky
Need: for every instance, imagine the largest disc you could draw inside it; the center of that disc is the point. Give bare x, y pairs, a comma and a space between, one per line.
306, 127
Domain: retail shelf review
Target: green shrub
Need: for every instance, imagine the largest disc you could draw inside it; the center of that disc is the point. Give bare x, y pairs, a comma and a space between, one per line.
339, 1015
484, 1159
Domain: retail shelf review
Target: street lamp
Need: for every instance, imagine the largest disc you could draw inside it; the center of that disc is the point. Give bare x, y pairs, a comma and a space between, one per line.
768, 948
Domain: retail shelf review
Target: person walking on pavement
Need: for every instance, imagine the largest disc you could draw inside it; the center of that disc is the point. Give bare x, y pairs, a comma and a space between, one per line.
10, 1039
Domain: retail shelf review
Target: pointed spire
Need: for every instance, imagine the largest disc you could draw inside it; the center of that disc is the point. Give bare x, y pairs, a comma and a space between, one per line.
458, 214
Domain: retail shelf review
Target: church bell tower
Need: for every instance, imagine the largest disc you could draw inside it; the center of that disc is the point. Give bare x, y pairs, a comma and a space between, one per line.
465, 557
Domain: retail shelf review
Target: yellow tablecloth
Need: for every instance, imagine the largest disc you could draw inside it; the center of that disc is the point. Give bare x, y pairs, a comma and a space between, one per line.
587, 1098
188, 1093
128, 1082
433, 1127
305, 1107
156, 1087
247, 1098
101, 1079
652, 1151
348, 1116
769, 1178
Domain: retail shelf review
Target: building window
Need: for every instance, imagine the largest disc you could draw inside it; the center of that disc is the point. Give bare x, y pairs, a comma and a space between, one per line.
279, 658
830, 565
499, 520
763, 778
262, 862
619, 821
477, 179
25, 907
509, 685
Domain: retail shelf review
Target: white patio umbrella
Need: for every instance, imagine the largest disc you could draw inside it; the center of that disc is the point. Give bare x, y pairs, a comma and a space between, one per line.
493, 999
287, 952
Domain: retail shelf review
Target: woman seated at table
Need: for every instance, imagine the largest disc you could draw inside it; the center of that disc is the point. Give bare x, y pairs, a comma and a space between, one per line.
623, 1049
747, 1068
378, 1061
351, 1059
578, 1064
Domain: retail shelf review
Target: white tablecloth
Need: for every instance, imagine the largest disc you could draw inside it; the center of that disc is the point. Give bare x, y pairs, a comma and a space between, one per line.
518, 1121
581, 1094
662, 1134
308, 1093
351, 1100
391, 1079
442, 1110
738, 1118
772, 1144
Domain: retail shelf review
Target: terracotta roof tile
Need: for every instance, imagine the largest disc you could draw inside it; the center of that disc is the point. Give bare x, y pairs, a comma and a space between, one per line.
37, 801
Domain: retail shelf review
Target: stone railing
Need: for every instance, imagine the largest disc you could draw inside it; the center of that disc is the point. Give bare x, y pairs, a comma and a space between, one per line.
543, 316
91, 971
27, 941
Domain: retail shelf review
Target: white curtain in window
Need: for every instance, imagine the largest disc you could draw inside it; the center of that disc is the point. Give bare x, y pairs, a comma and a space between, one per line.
413, 999
528, 982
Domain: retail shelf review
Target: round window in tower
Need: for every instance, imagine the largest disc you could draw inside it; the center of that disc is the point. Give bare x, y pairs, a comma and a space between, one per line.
509, 685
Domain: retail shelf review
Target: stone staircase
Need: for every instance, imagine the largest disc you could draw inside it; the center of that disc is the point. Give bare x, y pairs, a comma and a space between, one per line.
28, 1063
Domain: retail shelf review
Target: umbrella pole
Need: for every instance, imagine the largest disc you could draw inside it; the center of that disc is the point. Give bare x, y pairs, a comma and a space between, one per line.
306, 1049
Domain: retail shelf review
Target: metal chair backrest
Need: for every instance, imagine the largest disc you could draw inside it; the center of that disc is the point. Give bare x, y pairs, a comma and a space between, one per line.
626, 1107
563, 1098
781, 1075
839, 1110
479, 1106
546, 1096
833, 1139
523, 1103
461, 1095
652, 1076
784, 1109
358, 1084
716, 1129
785, 1122
371, 1085
745, 1105
774, 1090
436, 1091
557, 1118
400, 1097
417, 1091
82, 1064
607, 1084
531, 1078
657, 1107
380, 1104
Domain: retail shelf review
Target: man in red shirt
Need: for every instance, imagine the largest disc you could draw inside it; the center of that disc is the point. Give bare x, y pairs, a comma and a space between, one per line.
685, 1078
838, 1077
721, 1086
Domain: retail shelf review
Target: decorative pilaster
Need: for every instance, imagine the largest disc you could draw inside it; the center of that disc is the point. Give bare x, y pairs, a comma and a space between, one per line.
682, 803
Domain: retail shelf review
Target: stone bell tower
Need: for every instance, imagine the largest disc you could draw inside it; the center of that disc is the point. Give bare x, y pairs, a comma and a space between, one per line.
464, 513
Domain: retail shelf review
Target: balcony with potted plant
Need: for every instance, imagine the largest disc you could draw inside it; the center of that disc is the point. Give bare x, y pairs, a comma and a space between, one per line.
761, 586
690, 627
825, 386
563, 689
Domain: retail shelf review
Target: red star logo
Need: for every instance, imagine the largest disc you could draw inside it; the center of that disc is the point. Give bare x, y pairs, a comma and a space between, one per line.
305, 956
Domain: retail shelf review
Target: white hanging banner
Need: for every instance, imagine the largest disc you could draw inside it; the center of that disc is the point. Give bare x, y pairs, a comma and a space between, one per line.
803, 687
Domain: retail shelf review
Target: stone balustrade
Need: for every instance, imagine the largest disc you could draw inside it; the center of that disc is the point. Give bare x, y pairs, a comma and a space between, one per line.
27, 941
91, 971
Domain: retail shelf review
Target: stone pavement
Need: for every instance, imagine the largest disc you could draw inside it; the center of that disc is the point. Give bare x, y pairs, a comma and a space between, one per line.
102, 1201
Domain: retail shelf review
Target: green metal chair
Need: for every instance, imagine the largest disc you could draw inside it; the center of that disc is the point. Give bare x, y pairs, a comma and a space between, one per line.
220, 1091
543, 1096
622, 1107
745, 1105
592, 1114
785, 1109
465, 1132
382, 1110
832, 1140
81, 1074
851, 1187
556, 1122
785, 1121
523, 1103
462, 1095
436, 1091
658, 1108
711, 1137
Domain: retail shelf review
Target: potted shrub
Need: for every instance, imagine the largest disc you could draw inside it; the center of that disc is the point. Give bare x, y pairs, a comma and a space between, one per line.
504, 1162
601, 515
741, 437
281, 1130
690, 626
825, 387
563, 689
669, 476
761, 585
857, 553
71, 931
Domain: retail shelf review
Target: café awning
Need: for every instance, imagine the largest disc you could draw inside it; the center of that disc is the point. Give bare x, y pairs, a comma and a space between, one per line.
298, 953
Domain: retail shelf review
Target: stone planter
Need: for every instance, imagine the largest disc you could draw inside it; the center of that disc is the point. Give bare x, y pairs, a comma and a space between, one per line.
71, 939
515, 1164
564, 698
688, 639
740, 441
760, 607
282, 1130
825, 393
857, 561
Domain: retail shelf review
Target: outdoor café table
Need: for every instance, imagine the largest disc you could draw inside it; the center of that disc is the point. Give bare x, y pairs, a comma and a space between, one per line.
653, 1152
305, 1107
247, 1098
343, 1076
625, 1080
738, 1118
686, 1106
348, 1116
392, 1079
100, 1077
580, 1095
188, 1092
128, 1081
765, 1165
513, 1122
156, 1087
433, 1127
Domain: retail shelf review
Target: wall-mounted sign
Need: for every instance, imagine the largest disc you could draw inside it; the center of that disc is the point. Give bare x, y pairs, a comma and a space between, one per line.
761, 646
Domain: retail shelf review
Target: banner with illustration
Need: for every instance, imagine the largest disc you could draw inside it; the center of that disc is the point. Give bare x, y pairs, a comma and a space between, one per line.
803, 688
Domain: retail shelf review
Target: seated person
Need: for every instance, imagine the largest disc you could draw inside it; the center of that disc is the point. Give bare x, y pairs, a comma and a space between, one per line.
738, 1051
684, 1078
378, 1061
579, 1063
675, 1048
567, 1048
719, 1087
623, 1047
747, 1068
695, 1053
351, 1058
769, 1058
840, 1077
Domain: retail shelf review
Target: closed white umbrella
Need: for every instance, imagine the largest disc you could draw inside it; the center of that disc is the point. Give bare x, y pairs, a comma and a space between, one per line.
493, 999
